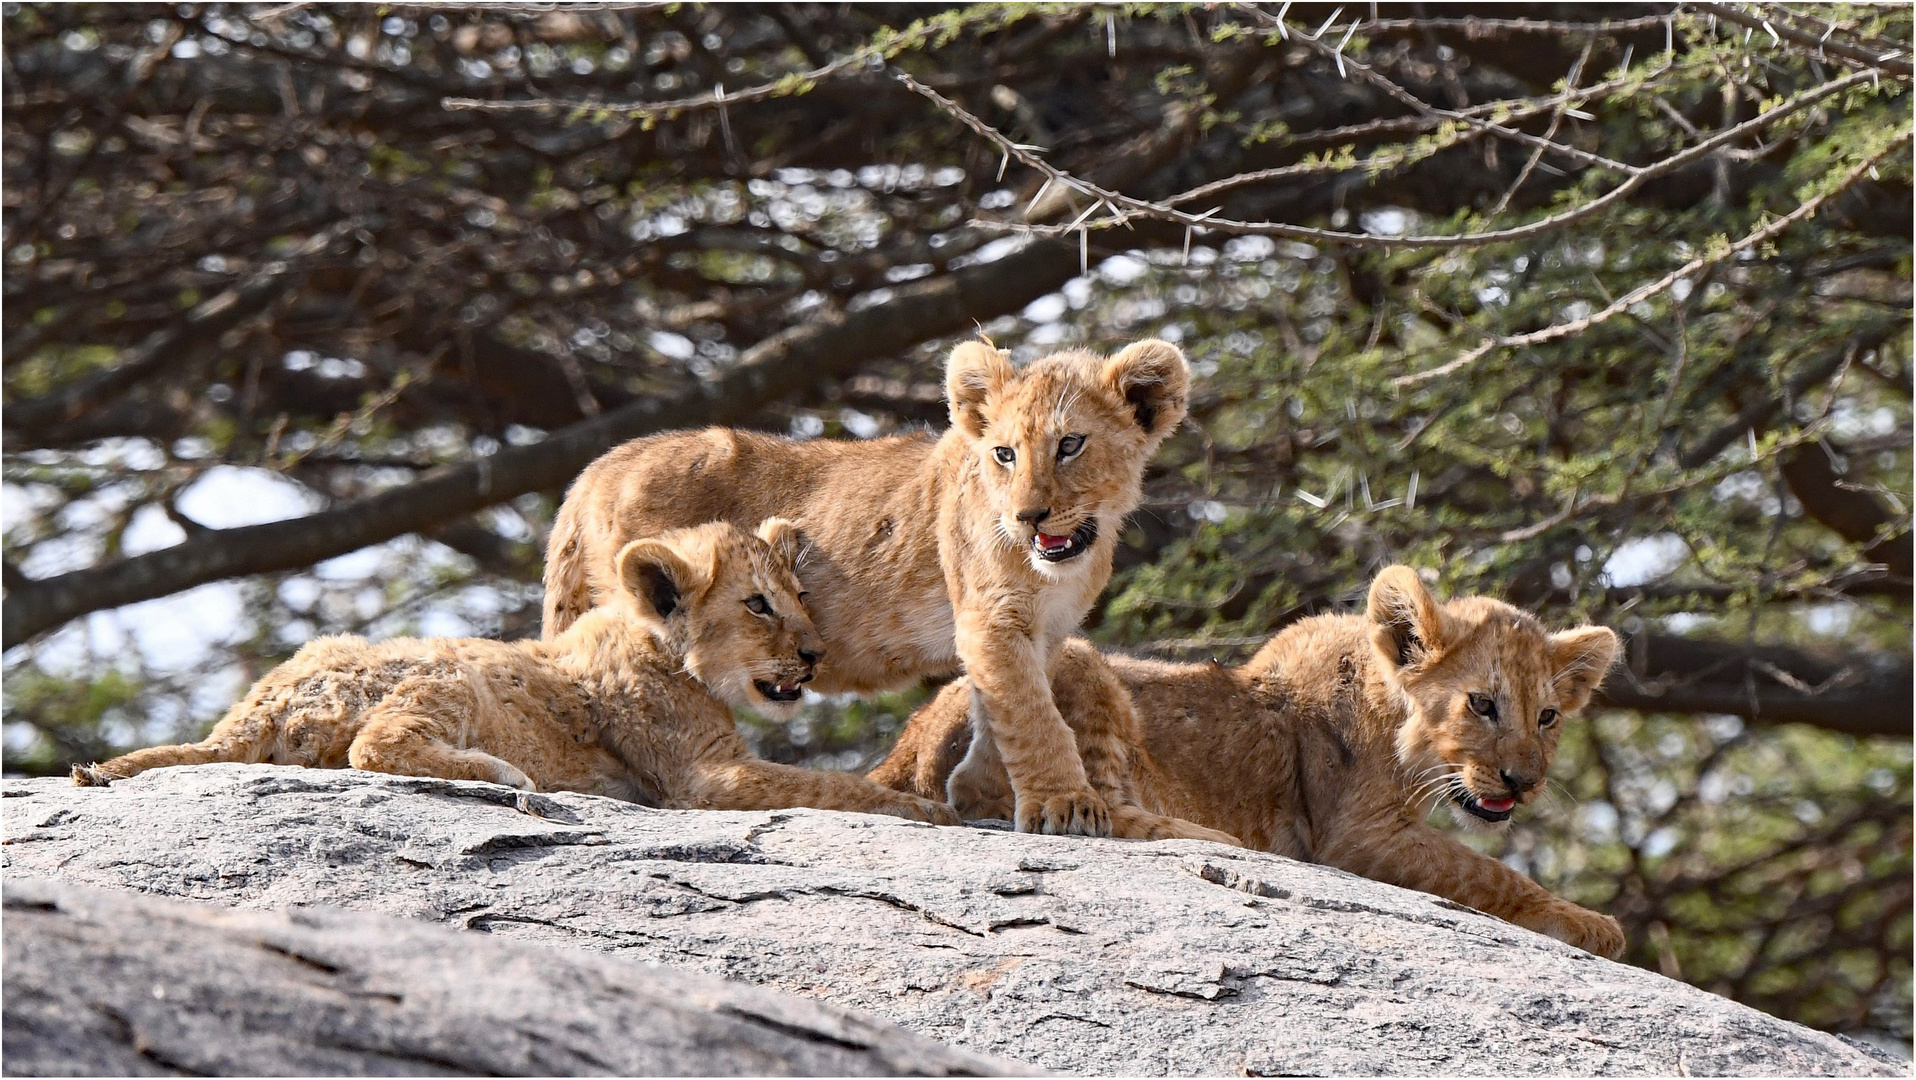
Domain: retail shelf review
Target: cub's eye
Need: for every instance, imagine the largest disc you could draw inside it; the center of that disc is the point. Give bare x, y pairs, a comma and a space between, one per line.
757, 605
1483, 706
1546, 718
1069, 446
1005, 455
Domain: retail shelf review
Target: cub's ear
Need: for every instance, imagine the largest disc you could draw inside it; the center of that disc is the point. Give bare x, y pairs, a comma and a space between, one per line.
974, 375
1152, 376
783, 537
1407, 625
659, 576
1579, 659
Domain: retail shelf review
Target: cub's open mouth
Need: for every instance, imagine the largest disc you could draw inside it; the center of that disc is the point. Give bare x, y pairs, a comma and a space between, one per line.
790, 691
1488, 809
1052, 548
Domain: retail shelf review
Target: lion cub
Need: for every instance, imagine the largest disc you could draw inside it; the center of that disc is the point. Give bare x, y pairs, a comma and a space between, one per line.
982, 548
1333, 743
633, 701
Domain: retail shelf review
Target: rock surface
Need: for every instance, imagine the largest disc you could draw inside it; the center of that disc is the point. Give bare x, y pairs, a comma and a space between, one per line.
1081, 955
108, 983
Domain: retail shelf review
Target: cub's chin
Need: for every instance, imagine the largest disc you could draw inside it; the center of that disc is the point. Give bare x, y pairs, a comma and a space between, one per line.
775, 700
1486, 815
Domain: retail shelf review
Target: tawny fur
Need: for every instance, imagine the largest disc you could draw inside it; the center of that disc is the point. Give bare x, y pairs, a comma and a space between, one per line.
918, 563
1335, 741
633, 701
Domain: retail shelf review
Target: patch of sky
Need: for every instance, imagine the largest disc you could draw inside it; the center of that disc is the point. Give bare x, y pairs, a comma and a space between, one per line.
231, 496
1122, 269
674, 346
1644, 559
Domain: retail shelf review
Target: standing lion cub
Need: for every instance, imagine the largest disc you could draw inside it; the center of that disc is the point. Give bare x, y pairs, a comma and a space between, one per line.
633, 701
982, 548
1333, 743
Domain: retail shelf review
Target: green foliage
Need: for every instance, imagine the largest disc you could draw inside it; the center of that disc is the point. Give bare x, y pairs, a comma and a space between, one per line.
52, 722
1769, 865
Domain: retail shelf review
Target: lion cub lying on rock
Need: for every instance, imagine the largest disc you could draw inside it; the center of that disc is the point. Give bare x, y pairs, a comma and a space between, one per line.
1333, 743
632, 701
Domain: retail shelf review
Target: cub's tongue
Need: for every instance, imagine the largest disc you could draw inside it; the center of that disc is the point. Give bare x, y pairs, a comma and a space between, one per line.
1496, 806
1053, 543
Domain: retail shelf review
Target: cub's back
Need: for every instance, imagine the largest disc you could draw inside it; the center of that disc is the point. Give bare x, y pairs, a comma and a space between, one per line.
685, 478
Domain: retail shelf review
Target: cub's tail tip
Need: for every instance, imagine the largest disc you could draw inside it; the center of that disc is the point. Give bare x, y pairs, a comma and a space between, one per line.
88, 776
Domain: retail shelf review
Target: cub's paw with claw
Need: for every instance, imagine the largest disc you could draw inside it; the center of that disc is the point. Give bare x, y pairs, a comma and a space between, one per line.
1073, 813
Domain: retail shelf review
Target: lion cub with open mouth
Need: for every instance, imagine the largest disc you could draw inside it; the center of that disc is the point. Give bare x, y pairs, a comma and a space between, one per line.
1333, 743
981, 548
633, 701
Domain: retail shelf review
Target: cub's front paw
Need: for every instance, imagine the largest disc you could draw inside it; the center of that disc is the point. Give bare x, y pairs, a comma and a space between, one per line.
975, 794
1075, 813
1588, 930
913, 808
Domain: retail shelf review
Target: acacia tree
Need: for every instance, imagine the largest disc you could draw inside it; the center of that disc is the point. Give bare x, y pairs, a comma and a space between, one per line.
1601, 308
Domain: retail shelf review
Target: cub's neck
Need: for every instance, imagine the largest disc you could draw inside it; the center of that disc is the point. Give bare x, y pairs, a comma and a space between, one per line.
1326, 671
609, 649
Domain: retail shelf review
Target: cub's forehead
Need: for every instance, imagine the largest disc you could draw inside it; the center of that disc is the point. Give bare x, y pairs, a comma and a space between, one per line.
1052, 392
1517, 650
769, 572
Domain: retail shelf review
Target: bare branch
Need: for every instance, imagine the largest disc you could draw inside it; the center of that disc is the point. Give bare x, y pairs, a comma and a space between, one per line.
1861, 695
1123, 208
828, 347
1635, 296
1897, 67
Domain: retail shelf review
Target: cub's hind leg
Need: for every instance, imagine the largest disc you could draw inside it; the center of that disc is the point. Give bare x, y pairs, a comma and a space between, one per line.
410, 732
978, 787
250, 732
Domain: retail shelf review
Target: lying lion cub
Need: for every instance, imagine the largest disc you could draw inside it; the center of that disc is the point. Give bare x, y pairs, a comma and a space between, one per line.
985, 546
632, 701
1333, 743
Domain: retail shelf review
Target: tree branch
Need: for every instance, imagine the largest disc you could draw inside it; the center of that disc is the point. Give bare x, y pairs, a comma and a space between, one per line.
823, 349
1635, 296
1765, 684
1890, 64
204, 323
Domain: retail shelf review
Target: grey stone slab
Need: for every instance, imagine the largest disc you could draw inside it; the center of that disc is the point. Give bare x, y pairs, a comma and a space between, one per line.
1100, 956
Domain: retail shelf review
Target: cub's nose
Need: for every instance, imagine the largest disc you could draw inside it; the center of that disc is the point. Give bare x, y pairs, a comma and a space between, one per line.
1518, 783
808, 656
1033, 517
